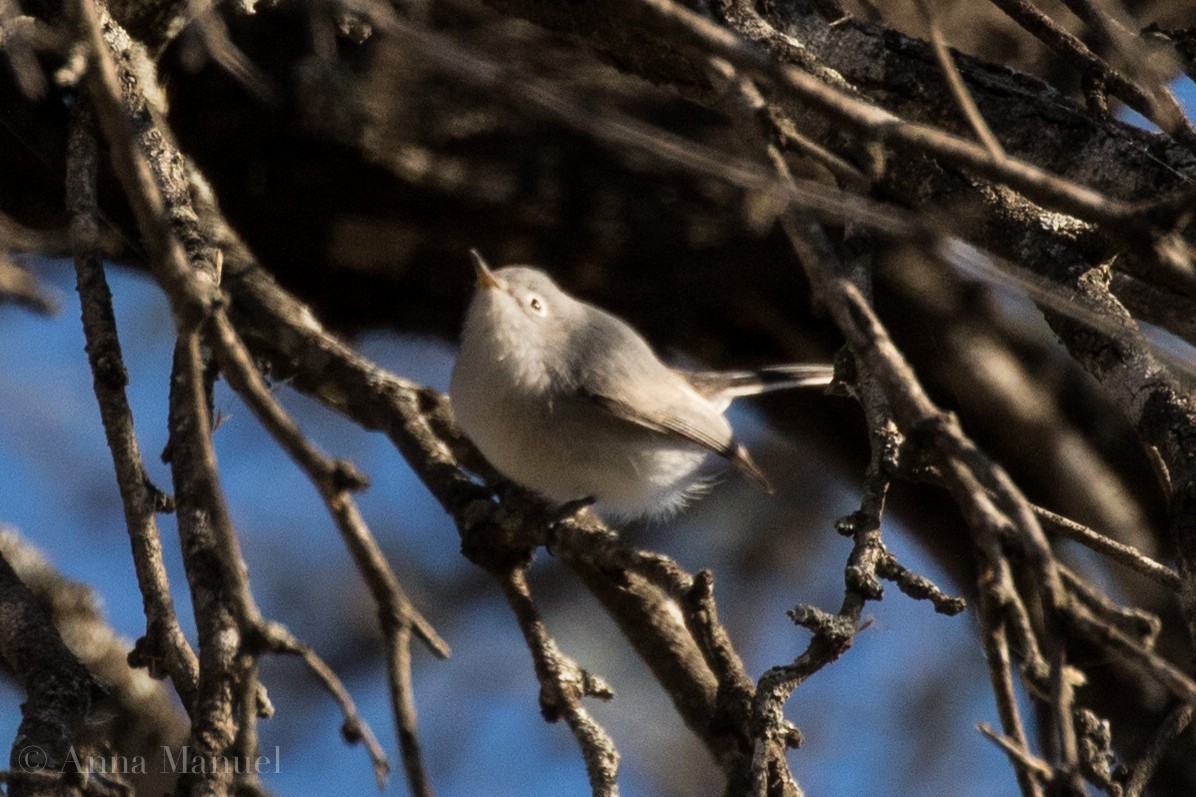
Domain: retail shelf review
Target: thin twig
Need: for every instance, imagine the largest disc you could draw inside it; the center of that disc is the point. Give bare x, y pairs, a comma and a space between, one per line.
1119, 552
397, 649
701, 615
1139, 624
963, 97
562, 686
1179, 683
1062, 702
334, 480
736, 691
222, 607
790, 139
1019, 756
996, 648
355, 729
833, 634
1019, 627
918, 587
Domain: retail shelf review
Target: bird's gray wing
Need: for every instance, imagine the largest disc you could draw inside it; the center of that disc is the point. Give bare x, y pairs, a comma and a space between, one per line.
688, 423
616, 371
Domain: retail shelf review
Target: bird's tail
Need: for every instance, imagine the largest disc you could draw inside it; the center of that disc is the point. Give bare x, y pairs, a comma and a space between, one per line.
728, 385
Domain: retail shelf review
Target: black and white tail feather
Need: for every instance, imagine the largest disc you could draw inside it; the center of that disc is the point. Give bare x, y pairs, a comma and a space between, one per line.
723, 387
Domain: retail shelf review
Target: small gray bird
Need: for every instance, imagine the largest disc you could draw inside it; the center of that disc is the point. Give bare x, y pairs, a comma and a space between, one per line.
569, 401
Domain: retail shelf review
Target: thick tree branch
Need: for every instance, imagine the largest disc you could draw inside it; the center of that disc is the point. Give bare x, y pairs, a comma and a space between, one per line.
59, 691
136, 716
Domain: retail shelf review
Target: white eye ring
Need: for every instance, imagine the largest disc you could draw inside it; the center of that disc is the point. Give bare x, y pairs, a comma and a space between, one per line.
536, 304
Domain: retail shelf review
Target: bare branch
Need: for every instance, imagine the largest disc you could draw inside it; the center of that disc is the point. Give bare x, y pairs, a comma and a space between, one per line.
58, 689
195, 305
1139, 624
996, 649
1019, 756
278, 639
164, 650
1118, 552
1160, 106
918, 587
963, 98
562, 686
223, 608
335, 480
137, 715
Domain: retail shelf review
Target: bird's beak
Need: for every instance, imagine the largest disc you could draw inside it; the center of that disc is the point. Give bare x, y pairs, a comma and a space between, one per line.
486, 278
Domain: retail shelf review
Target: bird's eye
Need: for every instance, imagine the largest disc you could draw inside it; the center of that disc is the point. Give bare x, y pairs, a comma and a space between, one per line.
536, 304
